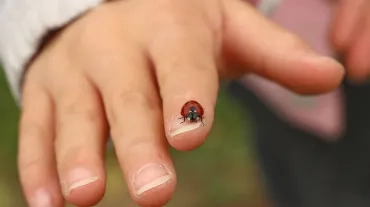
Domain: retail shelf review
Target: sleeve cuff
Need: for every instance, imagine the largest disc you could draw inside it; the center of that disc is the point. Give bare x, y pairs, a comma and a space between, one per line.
23, 23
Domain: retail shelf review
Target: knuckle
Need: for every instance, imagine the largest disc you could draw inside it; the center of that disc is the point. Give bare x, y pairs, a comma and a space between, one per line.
29, 130
134, 145
28, 159
84, 113
172, 18
129, 103
79, 105
28, 164
132, 99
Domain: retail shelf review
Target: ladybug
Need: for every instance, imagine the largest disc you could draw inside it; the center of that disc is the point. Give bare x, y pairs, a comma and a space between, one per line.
192, 111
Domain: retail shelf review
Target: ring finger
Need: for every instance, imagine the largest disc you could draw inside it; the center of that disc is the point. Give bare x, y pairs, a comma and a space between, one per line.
80, 140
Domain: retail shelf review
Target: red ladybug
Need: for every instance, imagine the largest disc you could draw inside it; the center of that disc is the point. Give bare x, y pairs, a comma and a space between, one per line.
192, 111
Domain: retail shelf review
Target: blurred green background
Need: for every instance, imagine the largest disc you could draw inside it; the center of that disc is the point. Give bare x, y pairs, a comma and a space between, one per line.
223, 172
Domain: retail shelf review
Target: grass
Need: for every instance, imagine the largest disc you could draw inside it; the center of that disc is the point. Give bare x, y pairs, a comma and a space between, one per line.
220, 173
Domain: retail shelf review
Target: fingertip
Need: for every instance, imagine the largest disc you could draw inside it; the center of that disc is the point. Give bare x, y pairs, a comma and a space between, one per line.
283, 57
86, 193
44, 197
357, 57
153, 184
82, 184
157, 196
332, 73
316, 75
189, 136
39, 183
184, 135
357, 68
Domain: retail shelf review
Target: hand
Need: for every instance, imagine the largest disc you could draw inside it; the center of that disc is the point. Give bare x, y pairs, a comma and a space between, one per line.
127, 67
350, 35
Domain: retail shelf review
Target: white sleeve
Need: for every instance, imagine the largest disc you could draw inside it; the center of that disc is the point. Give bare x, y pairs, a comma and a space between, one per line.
267, 7
23, 23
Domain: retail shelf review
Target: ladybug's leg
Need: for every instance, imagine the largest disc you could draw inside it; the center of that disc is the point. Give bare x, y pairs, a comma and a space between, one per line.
201, 119
183, 119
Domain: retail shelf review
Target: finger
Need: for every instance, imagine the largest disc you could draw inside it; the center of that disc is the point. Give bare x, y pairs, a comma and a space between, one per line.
134, 114
267, 50
36, 160
347, 22
357, 58
80, 140
184, 58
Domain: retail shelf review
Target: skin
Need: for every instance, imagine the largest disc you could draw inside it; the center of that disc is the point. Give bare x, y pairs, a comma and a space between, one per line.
350, 36
134, 59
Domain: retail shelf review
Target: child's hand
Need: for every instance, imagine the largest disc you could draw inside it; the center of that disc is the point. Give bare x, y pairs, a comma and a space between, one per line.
127, 68
350, 35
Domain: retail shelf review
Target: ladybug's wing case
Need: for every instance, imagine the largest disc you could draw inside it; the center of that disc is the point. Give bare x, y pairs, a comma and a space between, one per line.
182, 112
201, 110
185, 108
187, 103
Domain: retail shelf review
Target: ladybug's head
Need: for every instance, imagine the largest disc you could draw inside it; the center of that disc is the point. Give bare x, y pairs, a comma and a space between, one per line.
193, 116
192, 109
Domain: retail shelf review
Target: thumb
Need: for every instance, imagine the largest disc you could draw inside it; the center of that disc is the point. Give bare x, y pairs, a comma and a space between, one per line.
264, 48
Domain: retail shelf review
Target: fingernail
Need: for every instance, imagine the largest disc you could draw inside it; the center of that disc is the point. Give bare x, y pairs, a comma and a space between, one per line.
77, 178
41, 199
149, 177
178, 128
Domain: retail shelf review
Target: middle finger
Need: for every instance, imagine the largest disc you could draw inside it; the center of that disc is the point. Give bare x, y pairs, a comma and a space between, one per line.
133, 110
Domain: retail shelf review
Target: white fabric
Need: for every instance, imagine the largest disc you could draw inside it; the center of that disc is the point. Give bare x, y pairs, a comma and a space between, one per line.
23, 23
267, 6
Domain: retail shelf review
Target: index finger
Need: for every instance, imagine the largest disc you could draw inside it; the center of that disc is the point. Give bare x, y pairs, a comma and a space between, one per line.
184, 59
